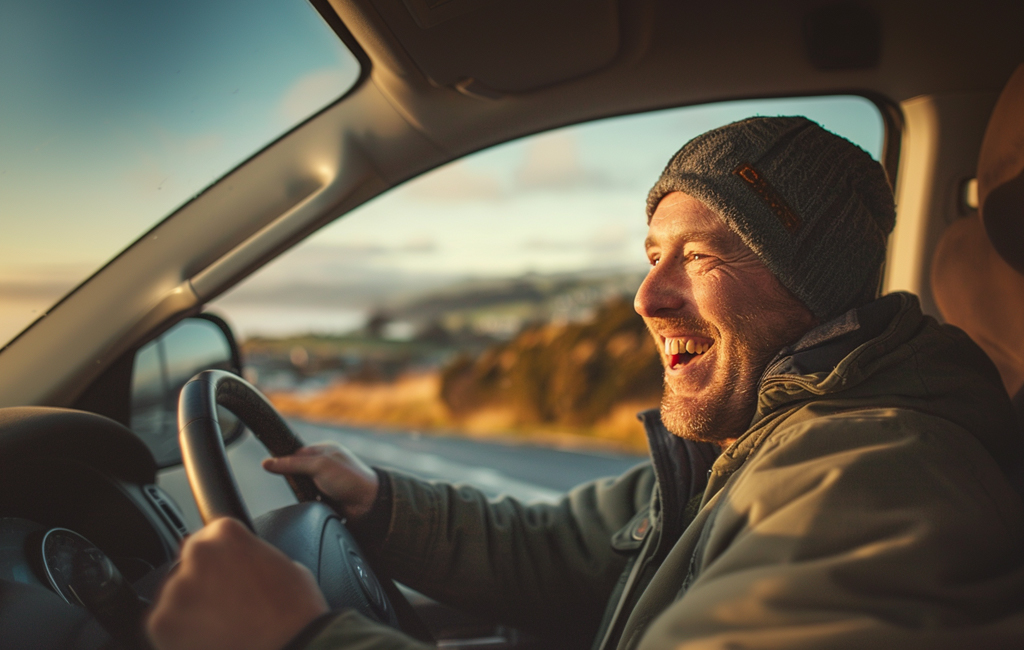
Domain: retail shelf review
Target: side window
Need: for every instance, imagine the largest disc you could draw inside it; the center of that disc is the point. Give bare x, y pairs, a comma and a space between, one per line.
476, 323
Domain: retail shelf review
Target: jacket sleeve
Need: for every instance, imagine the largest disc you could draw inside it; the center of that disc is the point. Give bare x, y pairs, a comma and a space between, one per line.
870, 529
546, 568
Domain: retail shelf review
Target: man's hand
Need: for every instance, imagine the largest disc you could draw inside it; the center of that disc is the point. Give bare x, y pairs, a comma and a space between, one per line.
233, 590
337, 473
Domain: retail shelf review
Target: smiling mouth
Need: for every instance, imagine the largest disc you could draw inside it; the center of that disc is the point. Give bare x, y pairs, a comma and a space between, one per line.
681, 351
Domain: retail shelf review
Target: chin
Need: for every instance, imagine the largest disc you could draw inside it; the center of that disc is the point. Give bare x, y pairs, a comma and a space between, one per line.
709, 420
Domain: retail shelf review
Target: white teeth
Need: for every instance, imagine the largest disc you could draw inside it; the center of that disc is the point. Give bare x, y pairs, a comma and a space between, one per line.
691, 347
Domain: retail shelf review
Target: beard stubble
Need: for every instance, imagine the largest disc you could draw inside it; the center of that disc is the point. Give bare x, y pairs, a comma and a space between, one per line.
719, 417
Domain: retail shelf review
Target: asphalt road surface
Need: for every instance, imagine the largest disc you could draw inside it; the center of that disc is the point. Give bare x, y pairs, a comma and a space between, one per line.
526, 472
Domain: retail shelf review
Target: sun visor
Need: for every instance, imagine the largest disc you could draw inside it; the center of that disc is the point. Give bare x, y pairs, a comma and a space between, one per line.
1001, 173
466, 44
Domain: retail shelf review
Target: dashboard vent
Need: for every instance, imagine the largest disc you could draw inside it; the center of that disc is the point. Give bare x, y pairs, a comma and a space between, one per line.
167, 508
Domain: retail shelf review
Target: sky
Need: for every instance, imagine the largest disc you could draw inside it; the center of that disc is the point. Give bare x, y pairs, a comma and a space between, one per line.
115, 113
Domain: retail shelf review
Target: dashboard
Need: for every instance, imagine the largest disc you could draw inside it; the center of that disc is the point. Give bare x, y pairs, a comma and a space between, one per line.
85, 534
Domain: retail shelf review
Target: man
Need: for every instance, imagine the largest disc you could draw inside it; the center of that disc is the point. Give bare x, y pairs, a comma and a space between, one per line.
836, 477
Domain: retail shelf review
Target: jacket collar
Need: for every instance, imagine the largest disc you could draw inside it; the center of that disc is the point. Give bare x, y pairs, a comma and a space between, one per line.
839, 353
825, 360
681, 468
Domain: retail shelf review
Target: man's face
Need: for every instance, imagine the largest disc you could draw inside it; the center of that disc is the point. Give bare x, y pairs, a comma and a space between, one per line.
717, 315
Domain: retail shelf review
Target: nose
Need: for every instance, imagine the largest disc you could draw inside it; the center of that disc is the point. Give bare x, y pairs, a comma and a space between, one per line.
662, 292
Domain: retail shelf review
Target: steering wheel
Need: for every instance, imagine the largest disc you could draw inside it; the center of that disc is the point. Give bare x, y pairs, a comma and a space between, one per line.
309, 532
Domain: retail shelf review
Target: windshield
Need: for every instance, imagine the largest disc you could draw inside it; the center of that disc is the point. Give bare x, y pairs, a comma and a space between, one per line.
114, 113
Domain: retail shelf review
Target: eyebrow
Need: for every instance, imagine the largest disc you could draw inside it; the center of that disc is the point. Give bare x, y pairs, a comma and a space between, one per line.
717, 239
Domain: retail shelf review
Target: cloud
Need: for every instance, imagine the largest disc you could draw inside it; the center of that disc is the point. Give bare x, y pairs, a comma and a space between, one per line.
456, 182
355, 249
608, 239
63, 274
312, 92
419, 245
553, 163
550, 245
333, 252
611, 237
315, 263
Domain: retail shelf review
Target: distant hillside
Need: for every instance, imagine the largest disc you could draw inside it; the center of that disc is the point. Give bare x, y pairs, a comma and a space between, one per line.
567, 374
585, 379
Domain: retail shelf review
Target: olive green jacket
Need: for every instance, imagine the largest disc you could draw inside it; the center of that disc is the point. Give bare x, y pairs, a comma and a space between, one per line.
870, 504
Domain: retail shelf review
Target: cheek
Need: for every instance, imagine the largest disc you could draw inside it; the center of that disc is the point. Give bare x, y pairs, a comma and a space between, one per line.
719, 295
753, 311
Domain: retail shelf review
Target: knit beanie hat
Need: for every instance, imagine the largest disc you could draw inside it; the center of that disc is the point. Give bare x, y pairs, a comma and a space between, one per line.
814, 207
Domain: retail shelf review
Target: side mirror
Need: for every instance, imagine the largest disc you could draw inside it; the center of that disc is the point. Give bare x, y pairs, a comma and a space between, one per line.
163, 366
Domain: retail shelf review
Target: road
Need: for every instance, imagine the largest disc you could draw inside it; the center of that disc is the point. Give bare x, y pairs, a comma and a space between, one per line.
526, 472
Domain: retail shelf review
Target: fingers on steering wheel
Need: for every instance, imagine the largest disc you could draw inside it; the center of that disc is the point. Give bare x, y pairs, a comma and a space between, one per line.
295, 464
318, 449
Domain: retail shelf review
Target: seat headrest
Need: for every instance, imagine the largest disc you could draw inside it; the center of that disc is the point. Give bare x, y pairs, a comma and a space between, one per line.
978, 268
1001, 173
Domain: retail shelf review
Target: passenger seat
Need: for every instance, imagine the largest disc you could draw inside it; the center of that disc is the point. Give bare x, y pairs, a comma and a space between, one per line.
977, 273
978, 269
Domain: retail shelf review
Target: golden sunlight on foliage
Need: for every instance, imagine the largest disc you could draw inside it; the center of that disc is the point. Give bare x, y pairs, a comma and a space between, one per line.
561, 384
410, 401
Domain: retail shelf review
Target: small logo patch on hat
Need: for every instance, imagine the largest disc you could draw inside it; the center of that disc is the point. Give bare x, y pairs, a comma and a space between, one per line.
789, 220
